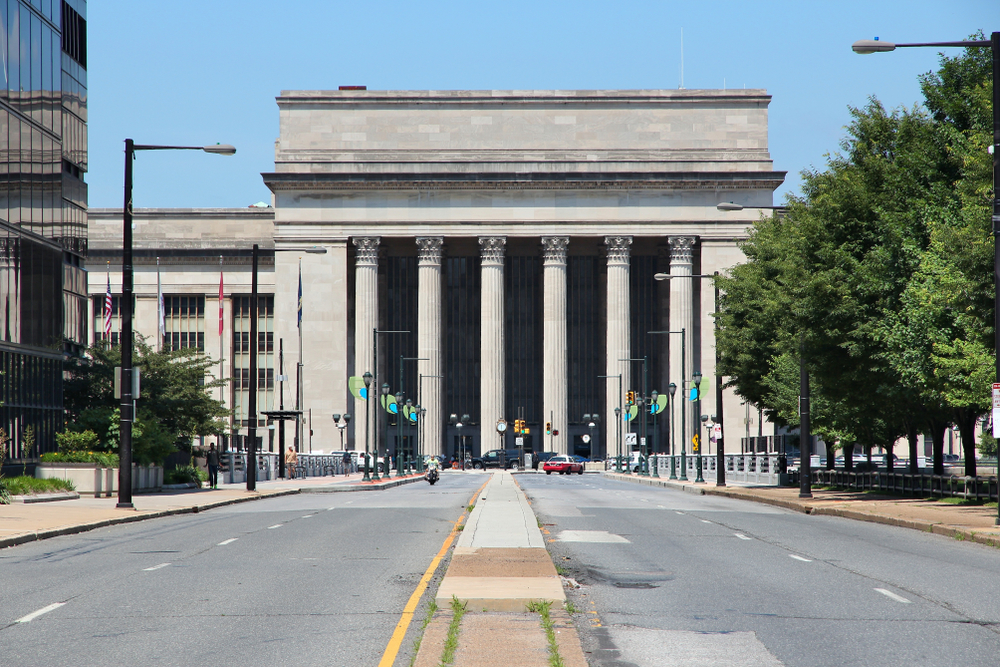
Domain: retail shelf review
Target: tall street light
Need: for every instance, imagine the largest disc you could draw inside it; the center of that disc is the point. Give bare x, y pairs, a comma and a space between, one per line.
385, 391
368, 395
672, 389
618, 425
254, 380
697, 410
127, 393
866, 46
683, 334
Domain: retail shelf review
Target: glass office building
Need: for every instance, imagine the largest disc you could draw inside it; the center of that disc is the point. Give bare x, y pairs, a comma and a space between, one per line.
43, 211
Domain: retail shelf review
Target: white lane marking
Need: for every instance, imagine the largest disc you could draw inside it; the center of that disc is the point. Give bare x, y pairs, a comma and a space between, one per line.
155, 567
804, 560
661, 507
742, 537
330, 508
704, 521
593, 536
35, 614
676, 512
893, 596
308, 516
229, 541
349, 502
277, 525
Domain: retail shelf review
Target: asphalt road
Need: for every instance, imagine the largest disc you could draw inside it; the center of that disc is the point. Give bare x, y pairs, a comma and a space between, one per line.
313, 579
672, 578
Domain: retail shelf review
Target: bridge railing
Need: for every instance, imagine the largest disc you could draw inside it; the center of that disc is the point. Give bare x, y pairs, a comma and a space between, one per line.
761, 469
919, 485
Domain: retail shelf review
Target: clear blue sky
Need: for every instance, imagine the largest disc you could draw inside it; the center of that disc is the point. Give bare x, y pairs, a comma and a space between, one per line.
185, 72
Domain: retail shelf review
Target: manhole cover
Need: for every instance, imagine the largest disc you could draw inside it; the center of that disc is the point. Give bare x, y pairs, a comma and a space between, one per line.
633, 584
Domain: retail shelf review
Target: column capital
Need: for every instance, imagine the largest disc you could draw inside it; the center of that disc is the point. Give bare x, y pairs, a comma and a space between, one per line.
682, 249
430, 250
618, 249
491, 250
367, 250
554, 250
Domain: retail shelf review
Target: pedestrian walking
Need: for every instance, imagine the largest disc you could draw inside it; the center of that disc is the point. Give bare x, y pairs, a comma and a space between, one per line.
347, 463
212, 460
291, 459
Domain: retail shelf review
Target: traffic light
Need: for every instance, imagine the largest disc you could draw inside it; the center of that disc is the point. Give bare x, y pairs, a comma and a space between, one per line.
630, 397
518, 426
548, 428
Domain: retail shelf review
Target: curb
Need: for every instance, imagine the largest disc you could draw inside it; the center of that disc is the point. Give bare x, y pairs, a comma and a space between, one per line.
45, 497
991, 540
85, 527
357, 486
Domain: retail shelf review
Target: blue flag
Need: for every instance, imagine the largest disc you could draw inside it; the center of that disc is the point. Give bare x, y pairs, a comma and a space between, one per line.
300, 295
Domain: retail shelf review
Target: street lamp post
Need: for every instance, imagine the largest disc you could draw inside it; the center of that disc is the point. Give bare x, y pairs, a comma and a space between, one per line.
618, 424
127, 406
368, 394
386, 467
640, 402
697, 410
656, 450
865, 46
672, 389
341, 426
399, 432
592, 421
683, 334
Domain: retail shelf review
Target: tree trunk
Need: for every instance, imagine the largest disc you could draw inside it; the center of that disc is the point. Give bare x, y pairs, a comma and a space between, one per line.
888, 456
849, 457
911, 437
966, 420
937, 428
831, 455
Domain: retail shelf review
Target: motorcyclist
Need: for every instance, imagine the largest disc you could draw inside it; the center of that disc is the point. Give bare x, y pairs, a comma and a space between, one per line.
432, 470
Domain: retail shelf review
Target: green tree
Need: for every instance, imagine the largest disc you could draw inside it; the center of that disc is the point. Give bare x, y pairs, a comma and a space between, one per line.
175, 404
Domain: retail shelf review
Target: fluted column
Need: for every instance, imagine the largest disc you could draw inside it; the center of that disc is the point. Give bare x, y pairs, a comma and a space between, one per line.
365, 319
429, 249
554, 377
492, 364
618, 330
682, 317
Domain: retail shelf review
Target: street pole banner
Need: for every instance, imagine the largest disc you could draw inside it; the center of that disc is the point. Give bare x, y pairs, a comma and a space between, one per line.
996, 409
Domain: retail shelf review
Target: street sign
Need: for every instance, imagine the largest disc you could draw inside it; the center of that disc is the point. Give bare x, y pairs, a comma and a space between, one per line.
519, 442
630, 439
716, 432
585, 438
643, 441
694, 442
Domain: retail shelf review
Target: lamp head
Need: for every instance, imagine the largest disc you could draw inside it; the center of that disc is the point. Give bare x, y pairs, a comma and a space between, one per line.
704, 418
661, 276
399, 397
672, 388
618, 412
347, 419
336, 417
586, 417
220, 149
452, 419
728, 206
655, 395
714, 418
465, 418
697, 377
866, 46
596, 417
591, 425
385, 389
368, 379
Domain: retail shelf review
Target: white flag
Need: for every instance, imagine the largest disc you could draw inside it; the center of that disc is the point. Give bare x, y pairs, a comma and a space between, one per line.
159, 301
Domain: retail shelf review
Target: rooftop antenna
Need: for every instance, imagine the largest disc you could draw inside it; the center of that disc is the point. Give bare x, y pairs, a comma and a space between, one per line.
682, 59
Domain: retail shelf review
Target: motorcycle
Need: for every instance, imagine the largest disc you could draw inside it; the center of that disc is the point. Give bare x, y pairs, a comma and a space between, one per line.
431, 476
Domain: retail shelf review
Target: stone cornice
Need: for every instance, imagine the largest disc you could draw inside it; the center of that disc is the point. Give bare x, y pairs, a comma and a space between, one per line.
589, 98
526, 181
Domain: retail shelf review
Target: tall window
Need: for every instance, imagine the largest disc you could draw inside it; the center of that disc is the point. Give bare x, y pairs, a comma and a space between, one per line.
241, 381
184, 322
116, 319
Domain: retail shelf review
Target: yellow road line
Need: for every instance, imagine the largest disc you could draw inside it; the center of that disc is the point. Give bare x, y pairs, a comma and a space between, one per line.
392, 649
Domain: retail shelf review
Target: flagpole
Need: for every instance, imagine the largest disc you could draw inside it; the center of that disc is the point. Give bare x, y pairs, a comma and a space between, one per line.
298, 368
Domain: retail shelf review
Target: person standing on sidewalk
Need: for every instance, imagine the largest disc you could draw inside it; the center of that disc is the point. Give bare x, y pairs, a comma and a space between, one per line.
291, 458
347, 463
212, 460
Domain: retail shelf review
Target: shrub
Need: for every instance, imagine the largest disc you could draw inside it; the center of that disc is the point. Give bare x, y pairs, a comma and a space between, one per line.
102, 459
24, 486
185, 475
72, 441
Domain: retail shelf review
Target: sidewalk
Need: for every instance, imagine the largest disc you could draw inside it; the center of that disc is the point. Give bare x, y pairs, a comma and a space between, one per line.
499, 567
976, 523
27, 522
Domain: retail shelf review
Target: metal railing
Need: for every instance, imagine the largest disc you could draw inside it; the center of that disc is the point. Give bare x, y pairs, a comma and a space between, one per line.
919, 486
761, 469
233, 466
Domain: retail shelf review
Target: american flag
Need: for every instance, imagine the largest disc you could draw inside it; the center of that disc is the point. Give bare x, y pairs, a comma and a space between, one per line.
107, 309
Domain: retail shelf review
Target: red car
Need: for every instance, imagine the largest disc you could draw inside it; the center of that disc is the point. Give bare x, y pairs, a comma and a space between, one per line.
562, 464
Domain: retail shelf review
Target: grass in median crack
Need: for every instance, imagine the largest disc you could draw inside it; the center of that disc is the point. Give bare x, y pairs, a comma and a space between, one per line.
542, 609
451, 643
431, 608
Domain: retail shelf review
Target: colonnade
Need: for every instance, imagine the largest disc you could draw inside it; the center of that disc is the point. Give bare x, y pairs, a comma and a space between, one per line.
554, 333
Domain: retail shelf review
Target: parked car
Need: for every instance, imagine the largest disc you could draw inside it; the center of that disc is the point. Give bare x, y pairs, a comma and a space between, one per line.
580, 459
498, 458
562, 464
